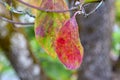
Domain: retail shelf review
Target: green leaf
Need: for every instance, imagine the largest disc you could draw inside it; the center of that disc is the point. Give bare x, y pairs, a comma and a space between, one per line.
91, 1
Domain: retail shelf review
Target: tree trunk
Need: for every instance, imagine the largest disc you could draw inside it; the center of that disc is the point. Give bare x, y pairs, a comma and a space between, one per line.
16, 48
95, 34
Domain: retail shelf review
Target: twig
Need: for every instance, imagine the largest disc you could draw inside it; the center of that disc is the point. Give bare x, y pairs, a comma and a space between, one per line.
11, 21
12, 9
56, 11
87, 14
38, 8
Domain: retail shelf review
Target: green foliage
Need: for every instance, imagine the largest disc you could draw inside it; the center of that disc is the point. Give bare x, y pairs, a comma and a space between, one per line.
55, 70
116, 40
52, 67
116, 32
117, 7
4, 64
89, 1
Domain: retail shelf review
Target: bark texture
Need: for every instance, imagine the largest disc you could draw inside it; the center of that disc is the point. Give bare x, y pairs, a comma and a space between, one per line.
95, 34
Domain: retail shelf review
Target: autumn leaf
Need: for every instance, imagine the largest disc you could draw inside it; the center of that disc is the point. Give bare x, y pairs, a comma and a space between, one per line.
35, 3
68, 46
47, 24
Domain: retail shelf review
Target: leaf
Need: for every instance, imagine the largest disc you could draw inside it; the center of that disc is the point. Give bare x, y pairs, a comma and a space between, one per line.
47, 24
68, 46
34, 3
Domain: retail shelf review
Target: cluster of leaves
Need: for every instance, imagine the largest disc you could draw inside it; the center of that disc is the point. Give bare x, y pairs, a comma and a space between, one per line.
57, 35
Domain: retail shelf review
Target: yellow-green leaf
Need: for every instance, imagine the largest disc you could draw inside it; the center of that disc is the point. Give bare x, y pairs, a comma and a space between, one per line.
47, 24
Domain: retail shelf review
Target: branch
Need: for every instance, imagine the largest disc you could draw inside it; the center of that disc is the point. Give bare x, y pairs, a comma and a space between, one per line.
87, 14
61, 11
57, 11
12, 9
38, 8
11, 21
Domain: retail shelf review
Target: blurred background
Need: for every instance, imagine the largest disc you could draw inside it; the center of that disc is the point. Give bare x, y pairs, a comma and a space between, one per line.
21, 58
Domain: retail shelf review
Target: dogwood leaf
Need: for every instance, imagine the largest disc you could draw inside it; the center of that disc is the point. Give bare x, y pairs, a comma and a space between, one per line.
68, 46
47, 24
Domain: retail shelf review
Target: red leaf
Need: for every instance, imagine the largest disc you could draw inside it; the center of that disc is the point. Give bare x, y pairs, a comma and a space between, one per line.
67, 45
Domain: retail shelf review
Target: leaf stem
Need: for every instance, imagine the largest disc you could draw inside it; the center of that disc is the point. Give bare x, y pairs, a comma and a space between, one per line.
87, 14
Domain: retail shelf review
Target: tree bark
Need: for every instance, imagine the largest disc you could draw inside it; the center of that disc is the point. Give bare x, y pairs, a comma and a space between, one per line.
95, 34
